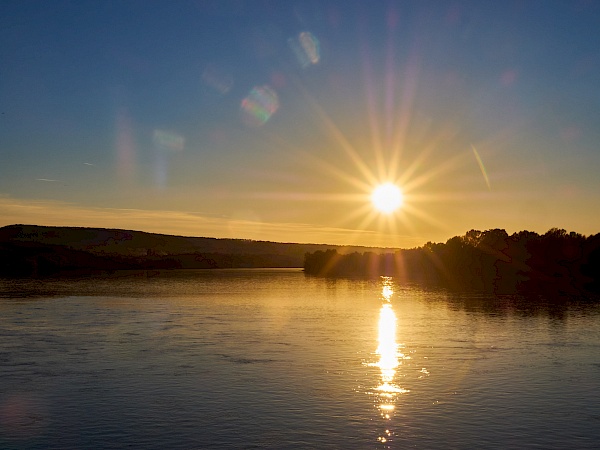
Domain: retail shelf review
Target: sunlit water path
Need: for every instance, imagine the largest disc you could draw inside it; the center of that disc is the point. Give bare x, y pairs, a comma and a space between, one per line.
274, 359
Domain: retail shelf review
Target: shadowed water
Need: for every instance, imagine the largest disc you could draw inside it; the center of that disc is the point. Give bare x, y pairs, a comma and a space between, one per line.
274, 359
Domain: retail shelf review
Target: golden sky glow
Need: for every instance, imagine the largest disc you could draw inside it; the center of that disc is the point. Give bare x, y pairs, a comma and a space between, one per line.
481, 120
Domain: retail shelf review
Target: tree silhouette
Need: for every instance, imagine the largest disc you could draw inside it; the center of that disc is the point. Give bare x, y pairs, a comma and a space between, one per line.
557, 262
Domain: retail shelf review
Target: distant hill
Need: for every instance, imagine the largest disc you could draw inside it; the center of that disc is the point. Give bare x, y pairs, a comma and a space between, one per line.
42, 250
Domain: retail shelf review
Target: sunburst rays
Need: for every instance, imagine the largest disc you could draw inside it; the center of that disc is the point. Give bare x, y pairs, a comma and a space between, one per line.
393, 155
392, 165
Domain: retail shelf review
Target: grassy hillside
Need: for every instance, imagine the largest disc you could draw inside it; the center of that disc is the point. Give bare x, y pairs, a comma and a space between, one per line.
33, 249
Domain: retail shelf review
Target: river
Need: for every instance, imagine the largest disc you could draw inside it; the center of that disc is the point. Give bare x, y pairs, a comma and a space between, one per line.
275, 359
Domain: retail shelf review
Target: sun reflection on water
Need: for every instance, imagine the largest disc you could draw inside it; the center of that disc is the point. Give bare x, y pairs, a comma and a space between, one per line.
387, 391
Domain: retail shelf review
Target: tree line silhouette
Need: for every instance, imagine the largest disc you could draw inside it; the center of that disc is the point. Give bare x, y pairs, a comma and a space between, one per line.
492, 260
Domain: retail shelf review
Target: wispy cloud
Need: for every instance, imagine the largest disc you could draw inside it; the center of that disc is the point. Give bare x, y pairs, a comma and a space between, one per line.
46, 179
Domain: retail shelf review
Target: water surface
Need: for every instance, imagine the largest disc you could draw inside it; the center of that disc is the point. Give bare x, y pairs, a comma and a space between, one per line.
275, 359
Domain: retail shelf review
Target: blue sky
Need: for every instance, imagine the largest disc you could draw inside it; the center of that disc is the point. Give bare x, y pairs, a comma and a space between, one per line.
130, 115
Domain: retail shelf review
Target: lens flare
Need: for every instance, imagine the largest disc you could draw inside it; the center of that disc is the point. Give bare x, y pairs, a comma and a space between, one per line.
217, 78
481, 167
125, 147
311, 46
306, 48
259, 106
168, 141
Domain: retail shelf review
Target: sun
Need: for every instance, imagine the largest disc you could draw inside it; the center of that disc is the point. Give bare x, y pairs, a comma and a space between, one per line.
387, 198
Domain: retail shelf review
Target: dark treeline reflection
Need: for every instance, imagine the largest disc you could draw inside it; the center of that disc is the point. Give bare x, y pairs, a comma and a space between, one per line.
550, 305
492, 261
